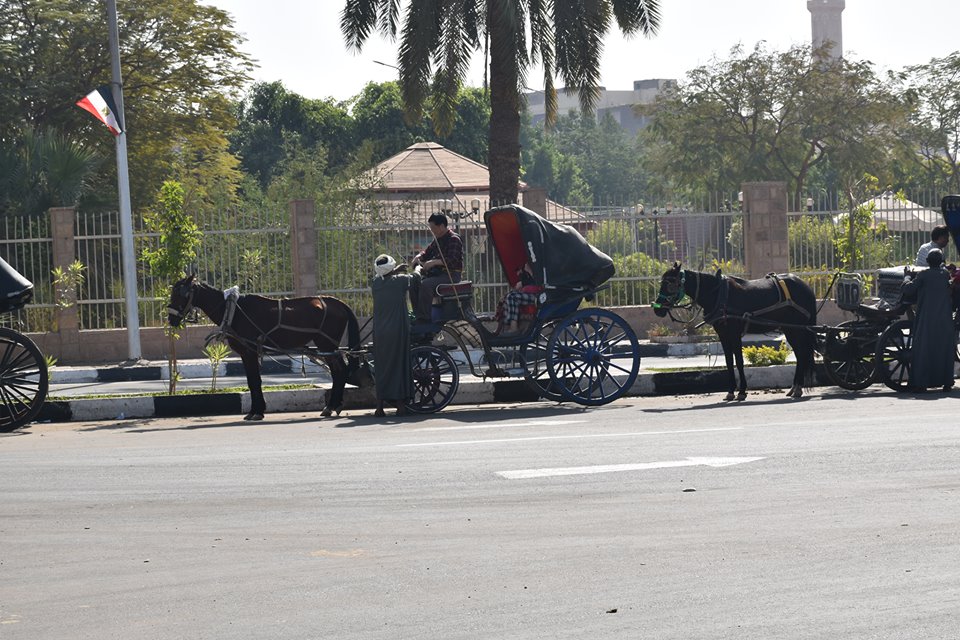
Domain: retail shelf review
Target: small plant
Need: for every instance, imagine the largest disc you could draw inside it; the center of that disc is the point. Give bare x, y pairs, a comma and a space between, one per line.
764, 356
661, 330
51, 363
65, 283
216, 352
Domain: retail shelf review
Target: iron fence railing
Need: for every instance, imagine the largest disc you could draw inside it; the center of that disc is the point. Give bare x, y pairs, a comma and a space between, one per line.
251, 248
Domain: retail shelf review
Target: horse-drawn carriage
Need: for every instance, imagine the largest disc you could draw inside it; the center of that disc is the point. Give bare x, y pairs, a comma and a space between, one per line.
565, 353
875, 346
589, 355
23, 369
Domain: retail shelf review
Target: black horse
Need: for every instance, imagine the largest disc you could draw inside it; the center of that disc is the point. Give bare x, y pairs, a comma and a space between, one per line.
261, 324
729, 304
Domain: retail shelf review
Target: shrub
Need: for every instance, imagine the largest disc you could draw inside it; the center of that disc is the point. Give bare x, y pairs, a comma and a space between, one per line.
764, 356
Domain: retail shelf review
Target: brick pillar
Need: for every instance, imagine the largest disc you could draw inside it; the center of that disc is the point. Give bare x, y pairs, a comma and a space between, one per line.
303, 241
64, 253
765, 228
535, 199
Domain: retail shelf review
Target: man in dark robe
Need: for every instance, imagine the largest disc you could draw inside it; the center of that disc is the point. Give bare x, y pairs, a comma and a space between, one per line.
933, 341
391, 334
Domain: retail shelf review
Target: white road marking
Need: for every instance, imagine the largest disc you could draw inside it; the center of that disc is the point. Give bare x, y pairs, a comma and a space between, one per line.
523, 474
505, 425
583, 435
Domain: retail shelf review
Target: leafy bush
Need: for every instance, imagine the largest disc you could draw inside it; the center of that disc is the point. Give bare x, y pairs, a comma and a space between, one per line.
764, 356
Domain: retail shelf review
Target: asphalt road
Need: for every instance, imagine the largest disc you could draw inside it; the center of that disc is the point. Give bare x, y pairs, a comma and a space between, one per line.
835, 516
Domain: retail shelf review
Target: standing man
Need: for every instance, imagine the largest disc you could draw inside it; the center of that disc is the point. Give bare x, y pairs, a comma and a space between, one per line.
442, 263
932, 336
939, 238
391, 333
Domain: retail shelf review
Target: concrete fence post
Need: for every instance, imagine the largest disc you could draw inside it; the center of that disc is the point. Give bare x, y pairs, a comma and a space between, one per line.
303, 245
535, 199
63, 254
765, 244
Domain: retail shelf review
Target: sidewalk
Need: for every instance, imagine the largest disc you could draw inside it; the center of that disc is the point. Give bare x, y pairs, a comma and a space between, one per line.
664, 369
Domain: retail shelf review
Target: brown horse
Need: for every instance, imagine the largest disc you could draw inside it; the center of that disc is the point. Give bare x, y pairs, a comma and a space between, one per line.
261, 324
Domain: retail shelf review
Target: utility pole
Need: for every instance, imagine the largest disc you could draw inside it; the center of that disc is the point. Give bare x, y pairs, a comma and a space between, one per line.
123, 189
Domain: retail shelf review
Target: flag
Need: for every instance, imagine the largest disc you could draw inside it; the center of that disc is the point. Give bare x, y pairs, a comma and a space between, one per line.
100, 104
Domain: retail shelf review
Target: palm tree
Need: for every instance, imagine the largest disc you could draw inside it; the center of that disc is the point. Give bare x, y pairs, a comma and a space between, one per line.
439, 37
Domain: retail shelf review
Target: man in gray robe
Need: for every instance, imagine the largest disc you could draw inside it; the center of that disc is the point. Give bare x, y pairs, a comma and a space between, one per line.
933, 341
391, 333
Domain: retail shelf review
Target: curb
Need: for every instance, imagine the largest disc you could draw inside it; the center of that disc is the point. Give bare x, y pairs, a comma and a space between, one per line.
470, 392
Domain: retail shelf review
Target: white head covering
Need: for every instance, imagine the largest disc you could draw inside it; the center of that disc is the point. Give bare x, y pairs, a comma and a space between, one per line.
384, 264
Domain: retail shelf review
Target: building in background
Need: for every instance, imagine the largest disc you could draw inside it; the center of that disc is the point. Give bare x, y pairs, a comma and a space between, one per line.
827, 24
618, 104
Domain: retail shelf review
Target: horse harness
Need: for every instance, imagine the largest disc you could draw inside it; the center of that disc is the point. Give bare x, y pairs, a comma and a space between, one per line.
232, 305
722, 312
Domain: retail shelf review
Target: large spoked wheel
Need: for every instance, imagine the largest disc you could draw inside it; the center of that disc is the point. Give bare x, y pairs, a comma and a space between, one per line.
849, 354
23, 380
893, 355
533, 356
435, 379
593, 357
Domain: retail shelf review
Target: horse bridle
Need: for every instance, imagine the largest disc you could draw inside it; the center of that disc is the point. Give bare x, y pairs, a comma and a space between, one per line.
188, 313
673, 302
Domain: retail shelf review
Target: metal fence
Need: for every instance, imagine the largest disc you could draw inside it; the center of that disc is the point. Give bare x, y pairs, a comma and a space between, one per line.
252, 249
642, 242
897, 226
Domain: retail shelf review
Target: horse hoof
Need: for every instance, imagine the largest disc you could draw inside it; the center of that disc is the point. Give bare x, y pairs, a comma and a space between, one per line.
379, 413
790, 393
741, 396
253, 416
728, 397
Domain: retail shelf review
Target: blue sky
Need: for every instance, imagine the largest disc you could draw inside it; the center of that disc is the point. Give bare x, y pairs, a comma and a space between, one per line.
299, 43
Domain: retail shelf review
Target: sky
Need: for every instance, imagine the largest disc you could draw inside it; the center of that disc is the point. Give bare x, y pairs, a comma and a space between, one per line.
299, 42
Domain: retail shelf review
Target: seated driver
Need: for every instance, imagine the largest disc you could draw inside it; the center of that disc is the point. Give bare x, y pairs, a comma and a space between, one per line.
442, 263
525, 292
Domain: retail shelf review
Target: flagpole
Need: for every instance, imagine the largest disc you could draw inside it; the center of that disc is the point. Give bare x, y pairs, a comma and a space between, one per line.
123, 188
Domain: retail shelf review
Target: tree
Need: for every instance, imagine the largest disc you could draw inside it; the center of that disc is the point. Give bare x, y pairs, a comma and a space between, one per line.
932, 138
181, 65
39, 170
773, 116
439, 37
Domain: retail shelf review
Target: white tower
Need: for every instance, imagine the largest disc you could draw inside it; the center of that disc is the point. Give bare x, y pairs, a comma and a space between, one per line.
827, 24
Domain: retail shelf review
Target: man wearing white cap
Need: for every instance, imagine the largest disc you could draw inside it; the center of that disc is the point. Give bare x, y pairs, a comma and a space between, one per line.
391, 333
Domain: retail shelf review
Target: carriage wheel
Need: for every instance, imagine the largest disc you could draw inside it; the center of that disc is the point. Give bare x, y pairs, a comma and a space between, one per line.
533, 357
592, 357
893, 355
435, 379
23, 380
849, 354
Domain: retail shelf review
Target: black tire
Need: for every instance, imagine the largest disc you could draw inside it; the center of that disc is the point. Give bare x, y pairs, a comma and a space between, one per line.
593, 357
435, 379
533, 357
849, 354
893, 355
23, 380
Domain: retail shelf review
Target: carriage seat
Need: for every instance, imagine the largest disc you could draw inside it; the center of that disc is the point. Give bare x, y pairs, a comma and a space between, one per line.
462, 290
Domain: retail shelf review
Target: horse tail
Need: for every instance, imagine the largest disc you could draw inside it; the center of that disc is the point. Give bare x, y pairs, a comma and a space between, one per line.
353, 334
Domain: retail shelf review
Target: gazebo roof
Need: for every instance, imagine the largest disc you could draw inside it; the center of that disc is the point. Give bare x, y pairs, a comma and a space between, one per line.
428, 166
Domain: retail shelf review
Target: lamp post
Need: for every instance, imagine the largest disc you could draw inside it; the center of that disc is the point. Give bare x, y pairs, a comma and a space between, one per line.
809, 203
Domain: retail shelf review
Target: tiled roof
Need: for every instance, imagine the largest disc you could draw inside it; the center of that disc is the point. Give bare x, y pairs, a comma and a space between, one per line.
428, 166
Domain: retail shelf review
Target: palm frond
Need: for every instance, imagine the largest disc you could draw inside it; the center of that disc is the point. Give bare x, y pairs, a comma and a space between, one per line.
419, 39
452, 64
360, 17
637, 16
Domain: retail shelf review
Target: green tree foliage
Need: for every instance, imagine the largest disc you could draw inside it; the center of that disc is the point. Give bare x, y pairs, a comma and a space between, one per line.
774, 116
437, 41
179, 236
39, 170
181, 64
932, 139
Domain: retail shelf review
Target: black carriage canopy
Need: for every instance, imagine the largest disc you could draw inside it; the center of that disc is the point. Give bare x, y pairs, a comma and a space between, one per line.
15, 290
950, 205
561, 258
